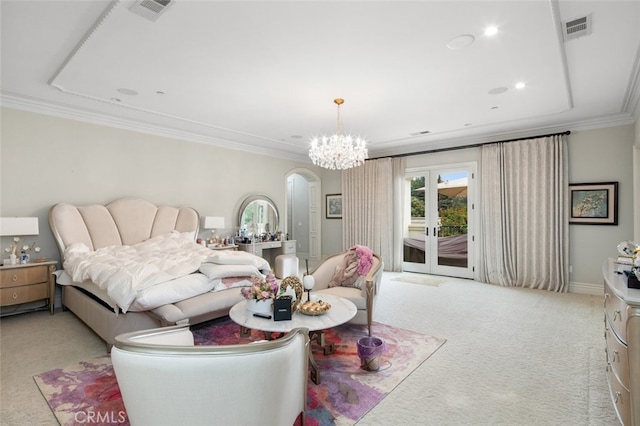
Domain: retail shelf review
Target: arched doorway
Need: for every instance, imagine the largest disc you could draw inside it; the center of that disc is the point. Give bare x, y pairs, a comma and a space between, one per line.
302, 213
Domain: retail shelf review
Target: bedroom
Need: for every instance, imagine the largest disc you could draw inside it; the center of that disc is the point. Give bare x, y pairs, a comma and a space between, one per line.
52, 157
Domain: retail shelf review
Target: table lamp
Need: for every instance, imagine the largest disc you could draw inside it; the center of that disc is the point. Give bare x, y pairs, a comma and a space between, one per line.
212, 223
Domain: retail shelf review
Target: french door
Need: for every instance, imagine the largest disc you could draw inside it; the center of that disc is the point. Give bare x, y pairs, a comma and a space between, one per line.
438, 221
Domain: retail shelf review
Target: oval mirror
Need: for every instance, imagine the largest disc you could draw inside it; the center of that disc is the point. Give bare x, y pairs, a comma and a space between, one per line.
258, 215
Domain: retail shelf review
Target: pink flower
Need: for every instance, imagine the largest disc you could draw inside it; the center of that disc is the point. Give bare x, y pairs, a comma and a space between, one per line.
261, 288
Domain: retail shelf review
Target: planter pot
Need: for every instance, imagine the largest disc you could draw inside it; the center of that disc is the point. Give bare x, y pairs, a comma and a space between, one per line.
264, 307
369, 351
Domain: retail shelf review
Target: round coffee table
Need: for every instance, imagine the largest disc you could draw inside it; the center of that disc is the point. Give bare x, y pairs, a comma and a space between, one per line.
342, 310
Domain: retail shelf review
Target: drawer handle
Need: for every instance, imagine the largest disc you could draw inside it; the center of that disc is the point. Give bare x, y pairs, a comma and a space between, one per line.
617, 313
14, 278
618, 397
616, 357
15, 295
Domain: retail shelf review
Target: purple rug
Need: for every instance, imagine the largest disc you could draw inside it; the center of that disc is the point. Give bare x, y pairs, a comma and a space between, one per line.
87, 392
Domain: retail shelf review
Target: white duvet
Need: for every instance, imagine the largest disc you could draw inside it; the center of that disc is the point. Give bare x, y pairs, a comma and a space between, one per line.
127, 272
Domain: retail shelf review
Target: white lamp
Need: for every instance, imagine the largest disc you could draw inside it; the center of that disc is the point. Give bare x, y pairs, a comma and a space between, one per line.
18, 227
213, 223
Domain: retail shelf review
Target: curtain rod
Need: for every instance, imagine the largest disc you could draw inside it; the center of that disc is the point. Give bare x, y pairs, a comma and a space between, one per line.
455, 148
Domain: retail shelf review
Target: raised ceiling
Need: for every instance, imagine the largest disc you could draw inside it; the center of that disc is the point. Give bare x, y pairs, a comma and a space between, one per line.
261, 76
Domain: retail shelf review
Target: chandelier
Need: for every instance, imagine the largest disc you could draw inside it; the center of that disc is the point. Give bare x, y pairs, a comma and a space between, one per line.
338, 151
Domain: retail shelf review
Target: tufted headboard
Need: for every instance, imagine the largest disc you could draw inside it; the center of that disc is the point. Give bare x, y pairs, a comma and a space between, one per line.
125, 221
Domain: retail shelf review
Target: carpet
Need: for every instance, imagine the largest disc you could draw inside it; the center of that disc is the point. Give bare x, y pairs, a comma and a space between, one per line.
89, 389
418, 279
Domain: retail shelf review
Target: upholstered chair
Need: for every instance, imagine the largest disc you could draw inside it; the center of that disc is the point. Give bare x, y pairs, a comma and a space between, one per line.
362, 293
165, 380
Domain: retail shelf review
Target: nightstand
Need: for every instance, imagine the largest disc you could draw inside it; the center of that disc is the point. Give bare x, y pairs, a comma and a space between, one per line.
29, 282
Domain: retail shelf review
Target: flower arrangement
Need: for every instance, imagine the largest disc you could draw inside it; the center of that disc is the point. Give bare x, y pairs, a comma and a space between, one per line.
15, 248
261, 288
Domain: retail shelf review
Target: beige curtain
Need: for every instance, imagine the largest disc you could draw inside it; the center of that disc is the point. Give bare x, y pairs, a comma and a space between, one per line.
368, 207
524, 229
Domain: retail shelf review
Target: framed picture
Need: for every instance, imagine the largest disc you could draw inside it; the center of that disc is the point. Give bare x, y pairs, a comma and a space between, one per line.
593, 203
334, 206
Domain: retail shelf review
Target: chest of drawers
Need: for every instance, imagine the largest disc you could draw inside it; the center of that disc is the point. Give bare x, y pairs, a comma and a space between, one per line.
26, 283
622, 339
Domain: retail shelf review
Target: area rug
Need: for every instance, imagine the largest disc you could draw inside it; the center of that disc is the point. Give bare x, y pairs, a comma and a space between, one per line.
89, 390
417, 279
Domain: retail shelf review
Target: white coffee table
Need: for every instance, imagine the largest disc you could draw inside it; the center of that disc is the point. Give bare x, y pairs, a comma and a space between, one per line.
342, 310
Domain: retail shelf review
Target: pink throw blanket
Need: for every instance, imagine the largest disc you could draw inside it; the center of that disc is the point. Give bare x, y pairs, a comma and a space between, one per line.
357, 262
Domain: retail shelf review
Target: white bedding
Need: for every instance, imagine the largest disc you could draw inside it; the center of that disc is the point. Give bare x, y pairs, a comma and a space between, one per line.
129, 273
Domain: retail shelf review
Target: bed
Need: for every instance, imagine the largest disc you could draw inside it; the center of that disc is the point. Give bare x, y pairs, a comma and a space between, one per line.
131, 265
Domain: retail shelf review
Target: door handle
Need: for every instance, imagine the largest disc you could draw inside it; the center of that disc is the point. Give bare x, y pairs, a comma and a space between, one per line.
426, 231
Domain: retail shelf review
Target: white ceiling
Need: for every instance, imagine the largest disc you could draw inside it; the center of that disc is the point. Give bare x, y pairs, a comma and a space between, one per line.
261, 76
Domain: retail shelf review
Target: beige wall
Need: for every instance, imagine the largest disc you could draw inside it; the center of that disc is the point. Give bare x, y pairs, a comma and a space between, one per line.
602, 155
47, 160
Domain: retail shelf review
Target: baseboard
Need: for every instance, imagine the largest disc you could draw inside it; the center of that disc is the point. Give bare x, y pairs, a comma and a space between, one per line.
586, 288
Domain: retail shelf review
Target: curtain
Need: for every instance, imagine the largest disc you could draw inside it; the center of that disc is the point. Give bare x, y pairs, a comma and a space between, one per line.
524, 230
369, 205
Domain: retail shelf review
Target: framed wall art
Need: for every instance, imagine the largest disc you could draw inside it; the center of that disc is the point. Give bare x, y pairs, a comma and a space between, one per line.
334, 206
593, 203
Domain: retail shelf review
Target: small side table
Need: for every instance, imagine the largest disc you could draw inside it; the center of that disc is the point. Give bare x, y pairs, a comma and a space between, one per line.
28, 282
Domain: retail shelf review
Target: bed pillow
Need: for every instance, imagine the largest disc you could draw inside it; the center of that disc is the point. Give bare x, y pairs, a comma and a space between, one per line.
238, 258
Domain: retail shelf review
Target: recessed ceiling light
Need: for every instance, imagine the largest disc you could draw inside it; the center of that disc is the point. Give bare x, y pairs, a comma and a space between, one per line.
491, 31
126, 91
296, 137
497, 90
116, 99
520, 85
494, 107
159, 92
461, 42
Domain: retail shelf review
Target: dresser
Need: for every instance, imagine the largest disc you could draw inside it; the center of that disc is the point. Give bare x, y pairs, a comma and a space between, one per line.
29, 282
622, 337
268, 250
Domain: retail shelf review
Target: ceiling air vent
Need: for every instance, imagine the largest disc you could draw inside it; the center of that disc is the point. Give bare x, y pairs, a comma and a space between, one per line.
151, 9
577, 28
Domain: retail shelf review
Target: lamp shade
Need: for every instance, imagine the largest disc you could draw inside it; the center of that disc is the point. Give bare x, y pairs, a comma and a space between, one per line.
213, 222
18, 226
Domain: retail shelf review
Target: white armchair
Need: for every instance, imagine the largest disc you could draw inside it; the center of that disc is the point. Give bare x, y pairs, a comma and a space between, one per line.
166, 380
363, 298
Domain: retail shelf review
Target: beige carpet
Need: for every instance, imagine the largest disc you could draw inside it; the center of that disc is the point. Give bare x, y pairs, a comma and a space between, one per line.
513, 357
418, 279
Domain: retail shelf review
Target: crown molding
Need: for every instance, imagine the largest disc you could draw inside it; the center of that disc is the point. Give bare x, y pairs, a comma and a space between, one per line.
29, 104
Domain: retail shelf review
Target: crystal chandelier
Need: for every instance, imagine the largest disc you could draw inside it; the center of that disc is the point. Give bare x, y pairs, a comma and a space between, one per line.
338, 151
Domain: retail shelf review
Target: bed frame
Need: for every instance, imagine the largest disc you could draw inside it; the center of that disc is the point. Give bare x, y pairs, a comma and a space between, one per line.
124, 222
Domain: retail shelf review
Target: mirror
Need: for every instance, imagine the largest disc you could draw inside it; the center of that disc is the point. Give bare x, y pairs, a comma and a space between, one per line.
258, 216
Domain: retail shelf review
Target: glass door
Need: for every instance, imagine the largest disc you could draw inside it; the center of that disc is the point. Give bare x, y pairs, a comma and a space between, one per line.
416, 226
438, 237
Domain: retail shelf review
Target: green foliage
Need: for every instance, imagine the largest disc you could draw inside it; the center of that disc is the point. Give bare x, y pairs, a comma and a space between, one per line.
417, 197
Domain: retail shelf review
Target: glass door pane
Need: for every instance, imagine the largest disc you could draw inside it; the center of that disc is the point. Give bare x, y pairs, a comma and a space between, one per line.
415, 244
452, 229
